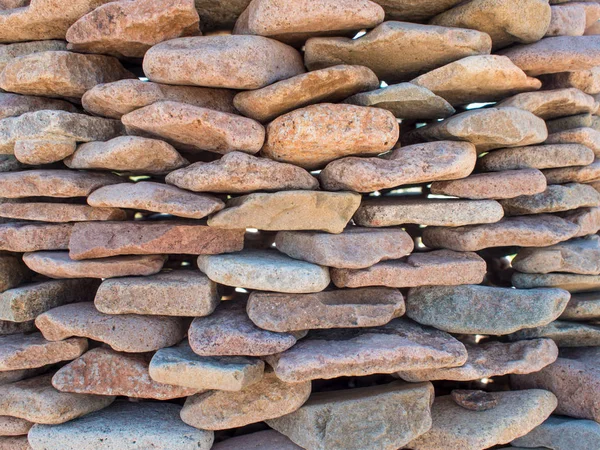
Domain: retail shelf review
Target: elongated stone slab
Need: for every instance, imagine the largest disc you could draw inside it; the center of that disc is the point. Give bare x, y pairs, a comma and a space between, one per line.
43, 151
585, 120
415, 10
584, 306
549, 156
340, 411
581, 256
587, 81
399, 345
553, 104
30, 237
13, 426
13, 272
266, 440
7, 327
581, 174
568, 281
14, 443
8, 52
12, 105
567, 20
588, 220
560, 433
555, 198
564, 334
584, 136
124, 332
59, 212
30, 351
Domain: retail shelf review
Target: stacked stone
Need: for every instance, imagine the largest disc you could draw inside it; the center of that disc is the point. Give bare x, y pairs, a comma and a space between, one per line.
332, 224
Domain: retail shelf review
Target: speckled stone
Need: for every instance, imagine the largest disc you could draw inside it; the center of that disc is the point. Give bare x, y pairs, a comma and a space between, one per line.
554, 103
30, 237
261, 440
12, 105
549, 156
567, 281
562, 433
584, 136
564, 334
555, 198
30, 351
584, 306
59, 212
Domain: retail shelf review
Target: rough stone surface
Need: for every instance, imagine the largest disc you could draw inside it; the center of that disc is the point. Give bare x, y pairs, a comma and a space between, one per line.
220, 15
587, 219
550, 156
564, 334
12, 272
43, 151
553, 104
59, 212
584, 306
261, 440
583, 120
31, 237
12, 105
567, 20
13, 426
29, 351
14, 443
567, 281
562, 433
554, 199
584, 136
415, 10
474, 400
586, 80
8, 52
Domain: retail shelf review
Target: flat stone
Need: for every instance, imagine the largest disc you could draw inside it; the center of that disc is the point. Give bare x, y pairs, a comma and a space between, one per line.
567, 281
379, 49
195, 128
355, 248
14, 443
583, 120
488, 129
229, 174
584, 136
288, 210
474, 400
556, 54
30, 351
30, 237
127, 154
415, 10
8, 52
59, 212
439, 267
12, 272
59, 265
7, 327
13, 105
456, 428
123, 332
309, 137
263, 440
43, 151
37, 401
431, 212
481, 78
350, 308
399, 345
490, 359
175, 293
102, 371
552, 104
124, 426
156, 197
180, 366
13, 426
406, 101
27, 301
253, 62
584, 306
339, 412
420, 163
229, 332
587, 81
550, 156
267, 399
527, 231
60, 73
128, 30
587, 219
562, 433
555, 198
564, 334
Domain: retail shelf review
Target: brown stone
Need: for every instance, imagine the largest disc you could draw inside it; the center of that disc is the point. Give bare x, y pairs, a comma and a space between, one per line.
12, 105
265, 440
582, 307
553, 104
59, 212
12, 272
13, 426
14, 443
8, 52
587, 81
567, 20
30, 237
29, 351
566, 281
474, 400
584, 136
554, 199
563, 333
415, 10
220, 15
43, 151
585, 120
550, 156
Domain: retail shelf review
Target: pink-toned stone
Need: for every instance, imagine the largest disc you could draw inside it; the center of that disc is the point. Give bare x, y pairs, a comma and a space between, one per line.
14, 443
549, 156
581, 174
584, 136
30, 237
587, 219
43, 151
415, 10
13, 426
554, 103
8, 52
555, 198
59, 212
29, 351
12, 105
567, 20
582, 307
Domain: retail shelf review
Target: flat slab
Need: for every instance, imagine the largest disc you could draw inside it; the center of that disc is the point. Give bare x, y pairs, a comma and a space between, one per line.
415, 10
555, 198
549, 156
564, 334
554, 103
561, 432
30, 237
567, 281
13, 272
12, 105
13, 426
584, 80
582, 174
588, 220
584, 306
10, 51
584, 136
59, 212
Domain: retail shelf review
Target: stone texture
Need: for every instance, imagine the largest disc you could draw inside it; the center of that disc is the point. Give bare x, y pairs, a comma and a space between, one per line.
11, 376
567, 20
253, 62
550, 156
261, 440
389, 415
584, 136
552, 104
586, 80
412, 164
288, 210
14, 443
30, 351
555, 198
43, 151
310, 138
587, 219
220, 15
564, 334
379, 49
59, 212
584, 306
13, 426
583, 120
415, 10
12, 105
474, 400
124, 332
31, 237
567, 281
8, 52
175, 293
12, 272
562, 433
399, 345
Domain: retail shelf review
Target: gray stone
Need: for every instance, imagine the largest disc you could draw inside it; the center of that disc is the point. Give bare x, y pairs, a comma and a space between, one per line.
564, 334
580, 256
536, 157
555, 198
562, 433
12, 105
12, 272
570, 282
261, 440
582, 307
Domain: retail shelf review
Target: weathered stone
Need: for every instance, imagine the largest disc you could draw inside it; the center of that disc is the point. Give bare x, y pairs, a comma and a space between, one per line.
584, 120
553, 104
399, 345
474, 400
29, 351
480, 78
584, 306
536, 157
12, 105
102, 371
12, 272
564, 334
431, 212
59, 265
8, 163
30, 237
586, 80
288, 210
123, 332
584, 136
412, 164
415, 10
229, 174
580, 256
220, 15
128, 29
267, 399
587, 219
43, 151
310, 138
339, 412
253, 62
194, 128
127, 154
175, 293
567, 20
14, 443
180, 366
351, 308
554, 199
59, 212
567, 281
562, 433
379, 49
264, 440
124, 426
490, 359
13, 426
456, 428
7, 327
8, 52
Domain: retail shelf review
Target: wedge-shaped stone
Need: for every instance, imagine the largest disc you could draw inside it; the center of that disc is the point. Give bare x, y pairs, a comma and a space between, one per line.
310, 138
580, 256
350, 308
230, 175
126, 426
124, 332
415, 10
567, 281
584, 306
60, 74
12, 105
266, 440
102, 371
13, 426
431, 212
457, 428
128, 29
586, 80
588, 220
536, 157
553, 104
567, 20
584, 136
8, 52
31, 237
412, 164
564, 334
13, 272
267, 399
59, 212
561, 433
355, 248
379, 49
253, 62
194, 128
59, 265
399, 345
491, 359
482, 78
332, 84
339, 412
156, 197
180, 366
495, 185
439, 267
175, 293
555, 198
288, 210
37, 401
29, 351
